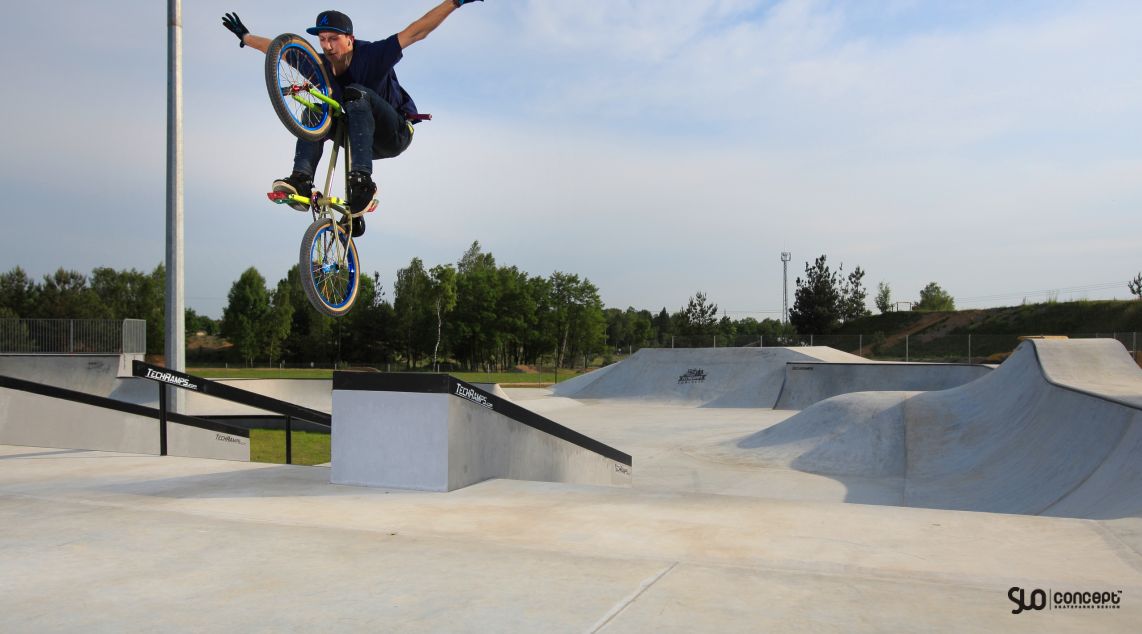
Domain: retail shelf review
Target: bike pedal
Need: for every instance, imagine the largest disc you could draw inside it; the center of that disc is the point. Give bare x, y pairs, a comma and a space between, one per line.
370, 208
278, 197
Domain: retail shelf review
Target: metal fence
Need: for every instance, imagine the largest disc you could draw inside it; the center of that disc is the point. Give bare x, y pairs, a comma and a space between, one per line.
972, 348
73, 336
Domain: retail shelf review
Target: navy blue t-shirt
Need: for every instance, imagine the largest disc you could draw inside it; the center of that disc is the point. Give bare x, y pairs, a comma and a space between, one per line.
372, 66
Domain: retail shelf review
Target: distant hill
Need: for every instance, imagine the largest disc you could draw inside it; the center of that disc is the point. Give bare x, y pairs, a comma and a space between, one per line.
994, 332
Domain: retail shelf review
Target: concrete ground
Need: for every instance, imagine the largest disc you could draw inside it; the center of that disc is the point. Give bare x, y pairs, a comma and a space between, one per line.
708, 538
120, 542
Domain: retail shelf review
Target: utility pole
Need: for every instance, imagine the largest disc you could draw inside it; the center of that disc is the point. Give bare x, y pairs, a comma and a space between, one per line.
785, 257
175, 348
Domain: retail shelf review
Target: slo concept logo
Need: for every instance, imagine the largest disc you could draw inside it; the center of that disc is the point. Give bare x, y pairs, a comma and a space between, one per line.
1019, 598
1039, 599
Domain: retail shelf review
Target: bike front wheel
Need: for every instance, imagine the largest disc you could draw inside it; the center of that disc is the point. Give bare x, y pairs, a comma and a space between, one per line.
293, 70
328, 268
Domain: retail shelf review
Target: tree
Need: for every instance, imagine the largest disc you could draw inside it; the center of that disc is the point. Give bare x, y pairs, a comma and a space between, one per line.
853, 296
65, 295
311, 333
133, 294
699, 316
727, 330
15, 337
18, 292
883, 298
279, 319
1135, 286
477, 332
247, 310
199, 323
413, 305
369, 333
629, 328
816, 309
442, 294
934, 298
578, 316
771, 330
539, 335
518, 302
663, 326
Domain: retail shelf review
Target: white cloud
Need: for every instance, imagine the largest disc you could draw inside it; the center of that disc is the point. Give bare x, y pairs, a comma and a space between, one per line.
657, 148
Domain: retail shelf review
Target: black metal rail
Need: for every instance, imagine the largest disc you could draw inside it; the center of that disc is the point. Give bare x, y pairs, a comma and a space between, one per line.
62, 393
164, 377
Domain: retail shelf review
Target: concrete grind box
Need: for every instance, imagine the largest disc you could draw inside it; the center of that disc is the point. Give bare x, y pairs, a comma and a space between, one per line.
432, 432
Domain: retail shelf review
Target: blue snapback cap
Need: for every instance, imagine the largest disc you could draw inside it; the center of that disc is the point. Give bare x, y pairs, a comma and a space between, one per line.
332, 21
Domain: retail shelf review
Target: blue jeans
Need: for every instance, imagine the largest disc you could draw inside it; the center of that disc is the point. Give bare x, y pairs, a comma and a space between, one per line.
376, 131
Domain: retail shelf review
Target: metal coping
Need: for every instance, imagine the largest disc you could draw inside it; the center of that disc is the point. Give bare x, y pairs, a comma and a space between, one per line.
228, 393
110, 403
445, 384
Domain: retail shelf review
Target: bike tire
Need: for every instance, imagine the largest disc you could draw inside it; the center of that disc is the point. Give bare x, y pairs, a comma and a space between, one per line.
331, 286
293, 64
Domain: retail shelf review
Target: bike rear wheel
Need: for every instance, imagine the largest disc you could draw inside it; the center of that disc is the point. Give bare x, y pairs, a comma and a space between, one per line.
328, 268
293, 68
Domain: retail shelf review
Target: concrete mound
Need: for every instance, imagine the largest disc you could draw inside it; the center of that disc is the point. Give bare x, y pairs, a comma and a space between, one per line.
808, 383
700, 377
1055, 430
849, 435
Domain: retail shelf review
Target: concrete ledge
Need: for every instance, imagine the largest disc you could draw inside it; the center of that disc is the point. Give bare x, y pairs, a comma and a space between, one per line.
40, 420
433, 432
35, 414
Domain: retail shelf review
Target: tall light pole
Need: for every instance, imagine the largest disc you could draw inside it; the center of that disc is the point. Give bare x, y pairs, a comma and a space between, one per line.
175, 304
785, 257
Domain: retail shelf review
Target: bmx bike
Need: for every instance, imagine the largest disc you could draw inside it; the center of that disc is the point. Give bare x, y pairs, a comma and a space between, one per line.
300, 89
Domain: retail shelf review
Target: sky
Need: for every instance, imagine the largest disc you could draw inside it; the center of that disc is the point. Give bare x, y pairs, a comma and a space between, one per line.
657, 149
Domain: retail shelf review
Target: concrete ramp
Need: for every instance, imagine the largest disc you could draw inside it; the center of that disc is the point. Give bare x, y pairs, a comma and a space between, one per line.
701, 377
315, 394
68, 419
433, 432
493, 388
808, 383
1055, 430
574, 385
95, 374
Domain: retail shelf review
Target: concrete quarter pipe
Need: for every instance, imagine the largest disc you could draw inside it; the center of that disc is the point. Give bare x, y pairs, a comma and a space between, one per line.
1055, 430
703, 377
808, 383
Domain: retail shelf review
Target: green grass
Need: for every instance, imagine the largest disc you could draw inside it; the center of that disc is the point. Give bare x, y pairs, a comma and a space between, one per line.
261, 373
513, 377
309, 448
316, 373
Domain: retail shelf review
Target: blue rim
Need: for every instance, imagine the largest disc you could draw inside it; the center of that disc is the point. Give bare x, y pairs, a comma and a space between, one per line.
317, 81
351, 260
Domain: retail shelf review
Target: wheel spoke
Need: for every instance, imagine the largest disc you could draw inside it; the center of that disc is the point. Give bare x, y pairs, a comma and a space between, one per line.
296, 74
332, 268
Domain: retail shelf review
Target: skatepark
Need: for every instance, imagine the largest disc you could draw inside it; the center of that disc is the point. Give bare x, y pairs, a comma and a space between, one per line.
769, 489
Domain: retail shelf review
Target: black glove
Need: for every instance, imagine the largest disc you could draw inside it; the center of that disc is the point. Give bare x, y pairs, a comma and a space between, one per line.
231, 21
461, 3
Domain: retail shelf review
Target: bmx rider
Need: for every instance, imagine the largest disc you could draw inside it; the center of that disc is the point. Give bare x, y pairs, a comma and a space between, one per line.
378, 112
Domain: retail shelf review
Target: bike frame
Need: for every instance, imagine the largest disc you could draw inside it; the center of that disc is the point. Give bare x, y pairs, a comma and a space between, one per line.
321, 205
324, 205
